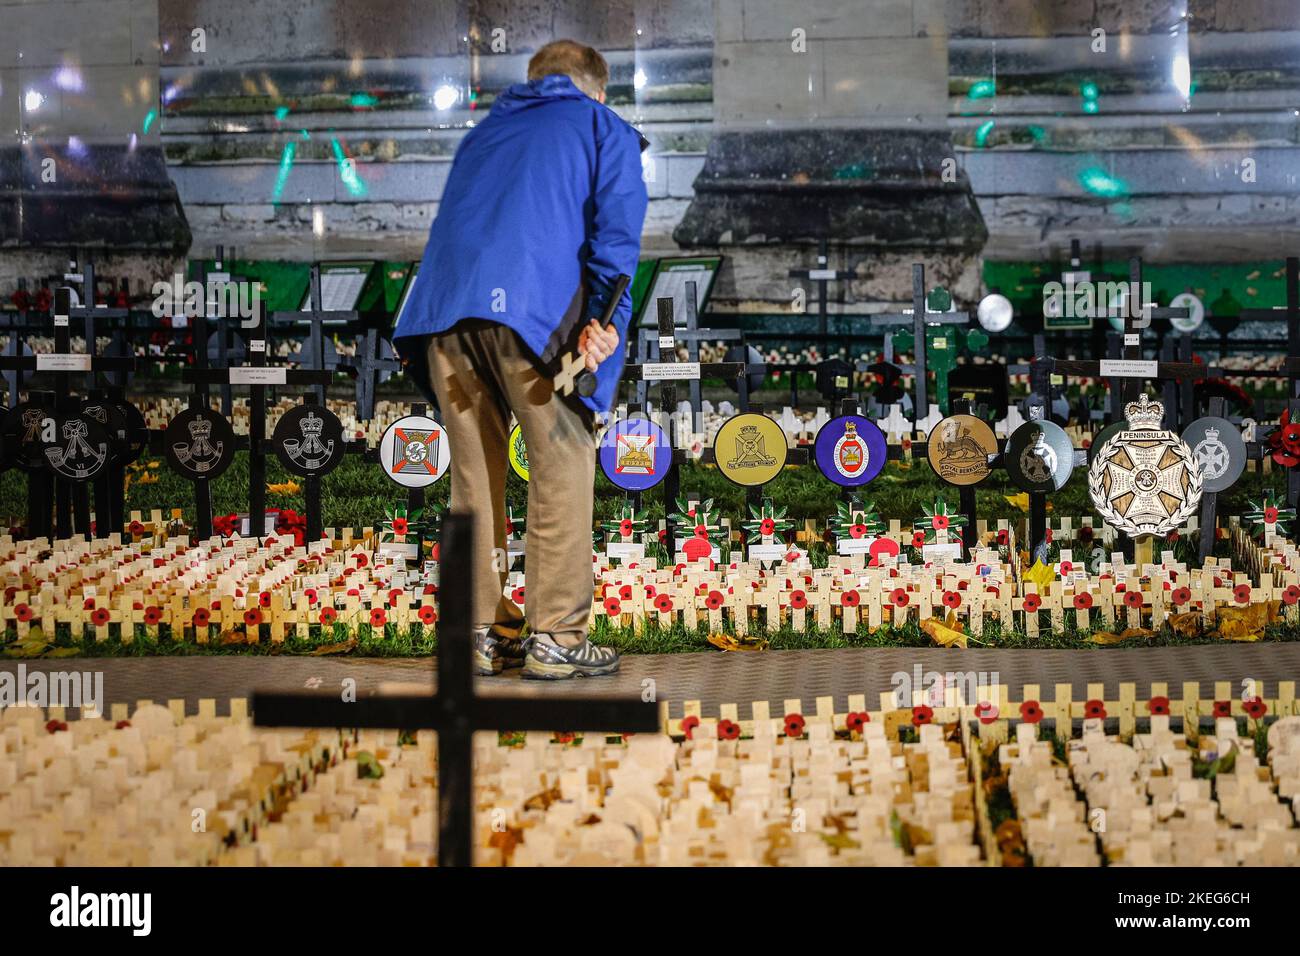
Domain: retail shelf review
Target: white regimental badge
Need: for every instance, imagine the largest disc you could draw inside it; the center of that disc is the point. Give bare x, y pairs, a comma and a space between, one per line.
1145, 480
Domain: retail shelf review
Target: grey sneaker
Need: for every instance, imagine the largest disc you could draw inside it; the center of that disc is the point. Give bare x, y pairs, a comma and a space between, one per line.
547, 660
493, 653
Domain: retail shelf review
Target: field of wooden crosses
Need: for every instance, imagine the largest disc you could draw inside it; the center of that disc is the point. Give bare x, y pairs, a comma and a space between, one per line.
1126, 781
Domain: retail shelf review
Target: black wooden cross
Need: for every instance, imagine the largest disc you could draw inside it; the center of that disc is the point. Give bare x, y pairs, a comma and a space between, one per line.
257, 375
918, 319
71, 501
316, 317
455, 711
822, 275
658, 341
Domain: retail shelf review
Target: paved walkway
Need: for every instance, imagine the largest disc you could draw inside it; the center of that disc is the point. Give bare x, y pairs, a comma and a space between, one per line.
711, 677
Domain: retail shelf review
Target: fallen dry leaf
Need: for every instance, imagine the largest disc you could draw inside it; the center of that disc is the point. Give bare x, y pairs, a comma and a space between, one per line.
340, 648
943, 635
1246, 623
284, 488
732, 642
1186, 625
1129, 634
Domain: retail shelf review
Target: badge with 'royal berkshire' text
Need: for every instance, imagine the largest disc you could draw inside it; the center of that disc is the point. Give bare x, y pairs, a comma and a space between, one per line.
959, 449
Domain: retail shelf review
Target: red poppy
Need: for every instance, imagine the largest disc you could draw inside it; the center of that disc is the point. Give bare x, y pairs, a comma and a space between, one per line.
899, 597
135, 527
252, 617
939, 522
986, 712
1083, 600
921, 715
650, 590
311, 595
1270, 515
1241, 593
1085, 533
1032, 603
362, 560
856, 720
918, 539
1133, 599
1094, 708
54, 726
625, 593
798, 600
1003, 536
517, 595
1255, 708
849, 599
767, 527
952, 599
1291, 594
428, 614
1223, 708
393, 595
612, 607
625, 527
714, 600
88, 604
264, 599
701, 531
1181, 596
728, 730
794, 724
100, 617
328, 615
152, 615
378, 617
663, 603
858, 531
689, 724
1031, 712
1158, 706
122, 725
1290, 434
23, 612
400, 526
201, 617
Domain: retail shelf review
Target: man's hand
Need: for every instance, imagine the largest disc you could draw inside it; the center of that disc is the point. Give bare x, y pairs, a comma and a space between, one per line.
596, 344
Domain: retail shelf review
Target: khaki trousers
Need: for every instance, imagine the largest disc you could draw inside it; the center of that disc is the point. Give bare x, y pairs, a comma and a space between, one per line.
481, 371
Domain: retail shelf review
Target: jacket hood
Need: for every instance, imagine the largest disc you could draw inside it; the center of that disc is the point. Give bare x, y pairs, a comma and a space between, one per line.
555, 86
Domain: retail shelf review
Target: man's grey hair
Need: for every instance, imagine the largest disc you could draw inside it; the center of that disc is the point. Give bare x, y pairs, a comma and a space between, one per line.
585, 66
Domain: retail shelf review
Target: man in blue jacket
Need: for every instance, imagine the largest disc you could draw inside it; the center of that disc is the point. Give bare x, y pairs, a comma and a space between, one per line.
542, 209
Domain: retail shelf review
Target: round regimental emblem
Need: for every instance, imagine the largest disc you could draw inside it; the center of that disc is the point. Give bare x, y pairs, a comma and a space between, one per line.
414, 451
25, 428
1145, 480
517, 453
1039, 456
199, 444
634, 454
750, 449
1219, 451
80, 449
308, 440
959, 449
850, 450
1195, 312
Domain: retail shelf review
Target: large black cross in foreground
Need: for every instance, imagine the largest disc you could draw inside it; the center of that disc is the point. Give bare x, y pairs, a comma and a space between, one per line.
455, 712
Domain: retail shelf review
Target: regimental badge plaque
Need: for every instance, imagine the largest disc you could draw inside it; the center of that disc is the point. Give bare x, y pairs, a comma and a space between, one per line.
414, 451
750, 449
959, 448
517, 452
635, 454
24, 430
1145, 480
1219, 451
850, 450
308, 440
1039, 456
199, 444
81, 447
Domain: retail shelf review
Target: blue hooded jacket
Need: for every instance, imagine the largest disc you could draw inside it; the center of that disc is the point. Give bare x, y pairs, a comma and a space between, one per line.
542, 209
